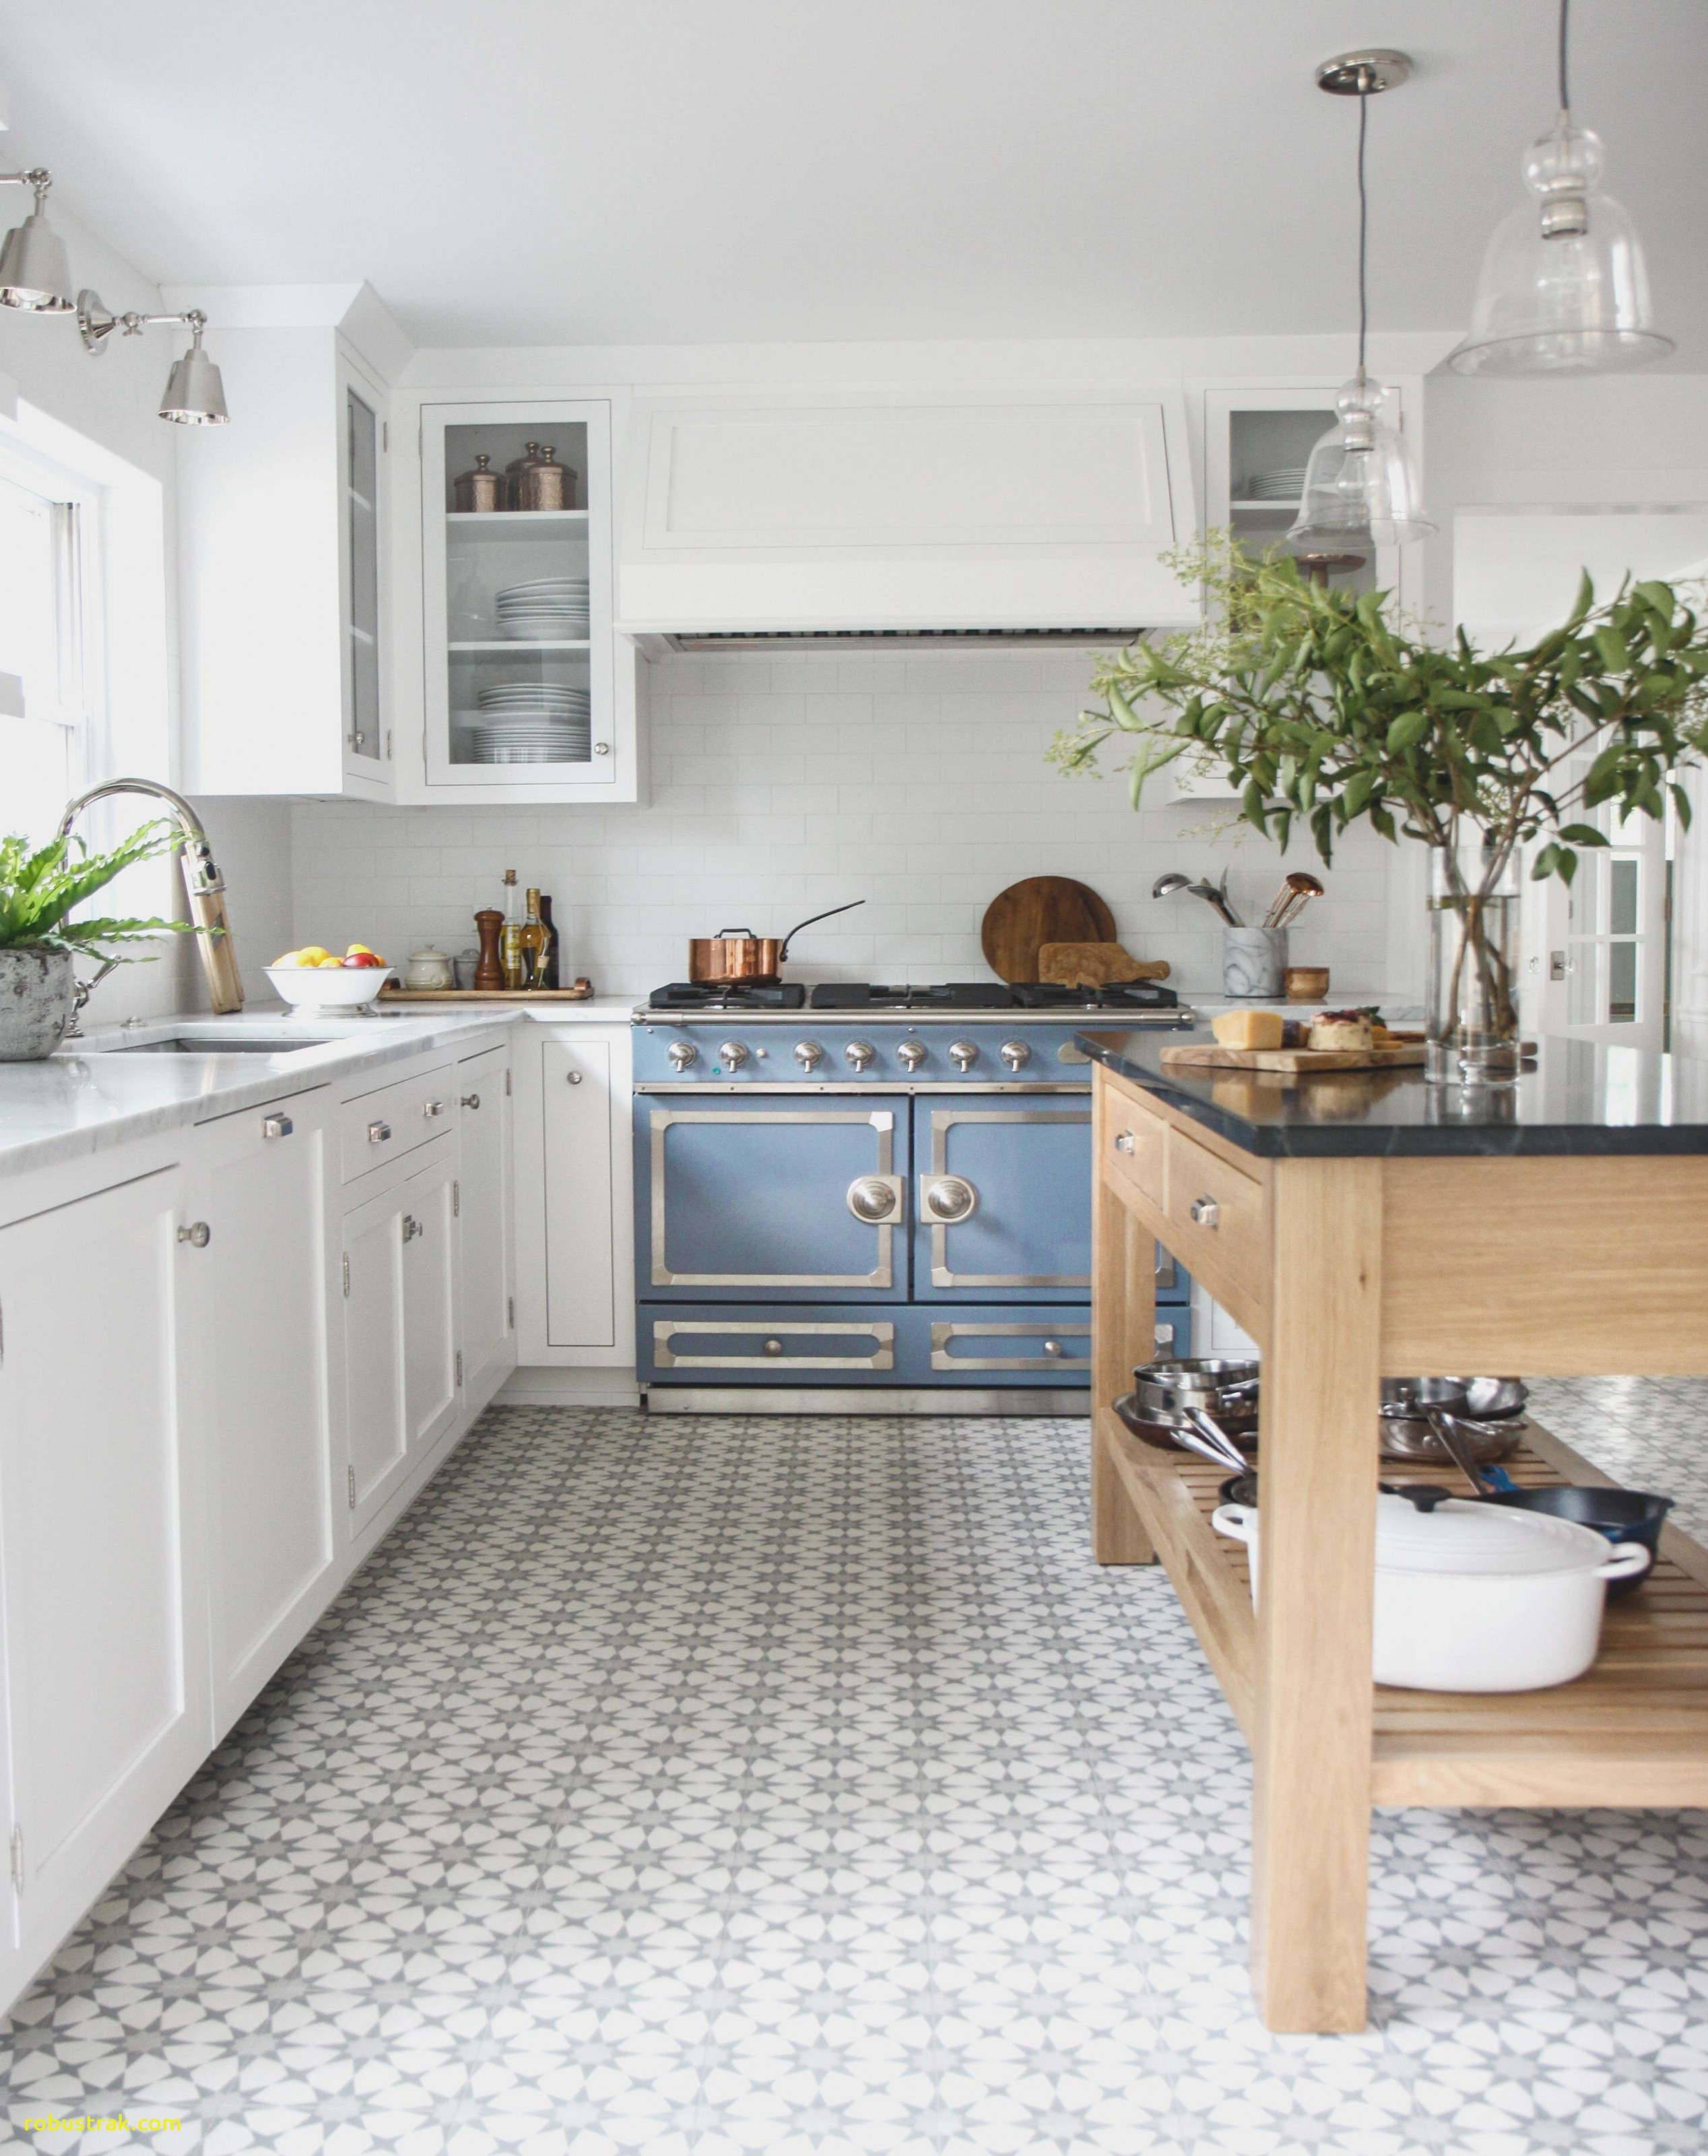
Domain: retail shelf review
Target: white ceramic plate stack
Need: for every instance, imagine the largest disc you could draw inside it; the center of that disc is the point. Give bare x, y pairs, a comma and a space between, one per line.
531, 722
550, 610
1287, 485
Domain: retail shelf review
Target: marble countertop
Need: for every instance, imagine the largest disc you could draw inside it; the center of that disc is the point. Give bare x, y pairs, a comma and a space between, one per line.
1577, 1097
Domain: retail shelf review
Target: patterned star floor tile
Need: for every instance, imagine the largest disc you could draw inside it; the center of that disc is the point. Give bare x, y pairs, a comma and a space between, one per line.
712, 1787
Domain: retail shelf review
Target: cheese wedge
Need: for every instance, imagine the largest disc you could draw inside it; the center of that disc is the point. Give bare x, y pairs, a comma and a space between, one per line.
1247, 1029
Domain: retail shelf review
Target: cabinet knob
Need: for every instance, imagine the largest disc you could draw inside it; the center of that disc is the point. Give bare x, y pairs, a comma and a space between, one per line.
876, 1198
1205, 1212
948, 1199
470, 1101
1125, 1142
412, 1228
601, 748
773, 1347
574, 1077
379, 1133
198, 1235
276, 1127
1052, 1348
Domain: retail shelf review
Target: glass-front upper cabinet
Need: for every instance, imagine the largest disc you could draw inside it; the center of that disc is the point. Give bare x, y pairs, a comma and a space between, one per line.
520, 672
359, 551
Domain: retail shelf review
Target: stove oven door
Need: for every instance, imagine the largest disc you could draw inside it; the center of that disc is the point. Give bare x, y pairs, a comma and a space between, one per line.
779, 1198
1002, 1198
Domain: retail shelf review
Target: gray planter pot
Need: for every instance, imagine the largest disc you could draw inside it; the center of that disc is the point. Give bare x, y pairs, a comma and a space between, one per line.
38, 995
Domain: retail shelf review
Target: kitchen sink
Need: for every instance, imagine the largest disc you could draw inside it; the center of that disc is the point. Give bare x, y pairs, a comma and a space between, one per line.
186, 1044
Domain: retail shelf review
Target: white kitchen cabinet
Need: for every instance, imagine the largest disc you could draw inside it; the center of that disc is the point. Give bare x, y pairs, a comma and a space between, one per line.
282, 545
575, 1304
399, 1279
258, 1305
106, 1711
488, 1329
482, 661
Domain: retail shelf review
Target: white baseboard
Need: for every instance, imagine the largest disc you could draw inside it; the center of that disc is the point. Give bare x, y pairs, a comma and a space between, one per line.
534, 1385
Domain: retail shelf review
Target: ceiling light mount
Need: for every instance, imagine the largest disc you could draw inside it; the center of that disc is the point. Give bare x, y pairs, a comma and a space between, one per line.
1364, 74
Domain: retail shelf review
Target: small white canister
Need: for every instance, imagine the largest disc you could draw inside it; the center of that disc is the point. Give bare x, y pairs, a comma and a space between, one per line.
1465, 1604
430, 970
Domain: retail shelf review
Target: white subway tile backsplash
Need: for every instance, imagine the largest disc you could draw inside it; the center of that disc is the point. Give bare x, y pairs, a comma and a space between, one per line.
783, 786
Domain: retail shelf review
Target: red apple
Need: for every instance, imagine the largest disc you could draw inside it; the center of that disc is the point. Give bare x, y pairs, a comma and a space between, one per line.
361, 958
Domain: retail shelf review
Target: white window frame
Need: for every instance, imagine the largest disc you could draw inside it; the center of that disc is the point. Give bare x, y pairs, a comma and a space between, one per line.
76, 505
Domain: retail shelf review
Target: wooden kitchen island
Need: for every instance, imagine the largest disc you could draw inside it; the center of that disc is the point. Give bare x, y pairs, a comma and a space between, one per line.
1364, 1225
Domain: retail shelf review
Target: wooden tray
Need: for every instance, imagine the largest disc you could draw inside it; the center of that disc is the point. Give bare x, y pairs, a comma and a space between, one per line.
1296, 1060
484, 995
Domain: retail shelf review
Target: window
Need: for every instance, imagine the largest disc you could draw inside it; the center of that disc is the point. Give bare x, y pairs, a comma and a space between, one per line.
43, 716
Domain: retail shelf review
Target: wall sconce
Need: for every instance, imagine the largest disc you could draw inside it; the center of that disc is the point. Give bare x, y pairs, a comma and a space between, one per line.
194, 394
35, 270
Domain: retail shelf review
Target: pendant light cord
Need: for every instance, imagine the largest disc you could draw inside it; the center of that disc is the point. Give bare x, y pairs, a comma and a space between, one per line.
1364, 220
1564, 83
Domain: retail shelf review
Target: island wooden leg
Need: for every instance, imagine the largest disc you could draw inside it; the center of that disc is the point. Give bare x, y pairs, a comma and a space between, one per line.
1123, 1333
1317, 1468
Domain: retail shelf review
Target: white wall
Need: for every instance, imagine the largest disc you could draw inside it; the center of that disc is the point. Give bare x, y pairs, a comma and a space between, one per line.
781, 786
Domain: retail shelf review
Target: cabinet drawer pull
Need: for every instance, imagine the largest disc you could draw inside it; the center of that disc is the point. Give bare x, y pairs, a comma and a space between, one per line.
276, 1127
377, 1133
412, 1228
198, 1235
470, 1101
1125, 1142
1205, 1212
432, 1108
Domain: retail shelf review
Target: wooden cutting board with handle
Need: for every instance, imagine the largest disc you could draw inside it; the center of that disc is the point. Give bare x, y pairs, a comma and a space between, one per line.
1047, 909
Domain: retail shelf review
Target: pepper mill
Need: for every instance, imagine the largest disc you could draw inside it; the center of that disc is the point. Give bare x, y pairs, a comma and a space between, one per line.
488, 926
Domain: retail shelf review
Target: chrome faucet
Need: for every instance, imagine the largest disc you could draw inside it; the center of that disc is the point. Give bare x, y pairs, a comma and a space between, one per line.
203, 884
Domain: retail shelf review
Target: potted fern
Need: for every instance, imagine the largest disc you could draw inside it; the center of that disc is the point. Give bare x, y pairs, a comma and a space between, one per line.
40, 887
1325, 708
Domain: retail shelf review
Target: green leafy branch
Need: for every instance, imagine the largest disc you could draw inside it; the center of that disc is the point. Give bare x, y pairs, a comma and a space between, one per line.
39, 888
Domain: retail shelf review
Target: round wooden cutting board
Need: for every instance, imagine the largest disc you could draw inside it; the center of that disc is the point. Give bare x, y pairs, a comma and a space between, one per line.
1046, 909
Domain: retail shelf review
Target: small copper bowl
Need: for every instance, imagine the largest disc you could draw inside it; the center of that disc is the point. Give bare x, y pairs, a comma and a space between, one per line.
1305, 984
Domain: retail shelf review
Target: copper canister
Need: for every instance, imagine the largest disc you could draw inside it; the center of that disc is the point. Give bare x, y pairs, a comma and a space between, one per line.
513, 472
545, 484
480, 488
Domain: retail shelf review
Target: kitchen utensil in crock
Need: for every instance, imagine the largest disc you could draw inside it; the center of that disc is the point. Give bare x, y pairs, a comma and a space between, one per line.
1465, 1604
1213, 896
1297, 890
737, 954
481, 490
1036, 911
1623, 1516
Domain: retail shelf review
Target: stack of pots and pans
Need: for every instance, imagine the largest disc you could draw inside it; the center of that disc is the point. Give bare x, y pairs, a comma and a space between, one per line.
1486, 1415
1200, 1403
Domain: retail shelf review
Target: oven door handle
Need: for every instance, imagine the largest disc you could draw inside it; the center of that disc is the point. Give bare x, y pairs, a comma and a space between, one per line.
946, 1199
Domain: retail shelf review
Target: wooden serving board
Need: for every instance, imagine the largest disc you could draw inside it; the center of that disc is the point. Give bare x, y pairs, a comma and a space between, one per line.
1048, 909
484, 995
1294, 1060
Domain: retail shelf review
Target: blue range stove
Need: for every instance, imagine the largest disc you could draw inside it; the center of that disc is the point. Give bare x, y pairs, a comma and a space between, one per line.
872, 1199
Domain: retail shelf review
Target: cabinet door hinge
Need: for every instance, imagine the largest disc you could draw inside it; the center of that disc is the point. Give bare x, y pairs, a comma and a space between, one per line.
385, 434
346, 1275
351, 1474
459, 1366
456, 1199
2, 1333
18, 1858
388, 744
506, 1085
509, 1313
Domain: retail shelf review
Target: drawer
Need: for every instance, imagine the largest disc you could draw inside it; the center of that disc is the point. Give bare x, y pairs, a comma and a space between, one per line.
1133, 1143
1216, 1221
1006, 1347
384, 1126
838, 1348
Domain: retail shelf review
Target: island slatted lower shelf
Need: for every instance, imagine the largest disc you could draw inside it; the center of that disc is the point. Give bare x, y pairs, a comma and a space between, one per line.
1632, 1731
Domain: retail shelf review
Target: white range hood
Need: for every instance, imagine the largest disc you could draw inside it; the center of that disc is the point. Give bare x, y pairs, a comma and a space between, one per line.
895, 520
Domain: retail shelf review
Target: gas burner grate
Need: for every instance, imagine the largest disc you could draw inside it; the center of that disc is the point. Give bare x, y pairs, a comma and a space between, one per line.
942, 995
728, 996
1112, 995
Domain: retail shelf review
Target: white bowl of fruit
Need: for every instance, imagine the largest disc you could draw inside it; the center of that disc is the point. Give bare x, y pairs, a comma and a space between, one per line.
316, 979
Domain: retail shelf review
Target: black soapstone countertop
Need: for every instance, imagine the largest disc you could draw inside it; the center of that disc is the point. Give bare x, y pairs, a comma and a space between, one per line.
1576, 1097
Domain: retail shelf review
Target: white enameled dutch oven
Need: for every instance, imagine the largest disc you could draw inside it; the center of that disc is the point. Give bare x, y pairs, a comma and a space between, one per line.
1474, 1597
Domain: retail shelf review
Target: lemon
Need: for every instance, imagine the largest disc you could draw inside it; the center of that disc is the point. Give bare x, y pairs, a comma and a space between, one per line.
312, 954
328, 961
361, 951
291, 958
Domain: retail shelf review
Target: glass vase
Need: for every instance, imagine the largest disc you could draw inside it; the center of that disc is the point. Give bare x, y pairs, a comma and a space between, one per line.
1471, 1027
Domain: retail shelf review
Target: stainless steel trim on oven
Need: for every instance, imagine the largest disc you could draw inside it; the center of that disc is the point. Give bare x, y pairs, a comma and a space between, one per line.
883, 1274
879, 1331
868, 1400
942, 1333
943, 1120
869, 1087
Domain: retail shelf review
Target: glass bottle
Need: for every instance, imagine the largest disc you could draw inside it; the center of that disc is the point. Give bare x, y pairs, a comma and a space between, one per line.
533, 943
510, 940
548, 959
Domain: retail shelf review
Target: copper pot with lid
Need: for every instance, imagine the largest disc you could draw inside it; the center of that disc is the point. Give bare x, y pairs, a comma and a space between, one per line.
736, 955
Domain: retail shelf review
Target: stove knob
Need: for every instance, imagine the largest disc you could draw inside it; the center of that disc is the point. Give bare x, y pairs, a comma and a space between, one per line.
1015, 1053
963, 1055
731, 1054
808, 1054
911, 1054
681, 1054
860, 1053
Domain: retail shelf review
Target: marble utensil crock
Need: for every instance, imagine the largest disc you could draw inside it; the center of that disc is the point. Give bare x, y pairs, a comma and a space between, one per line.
37, 994
1254, 960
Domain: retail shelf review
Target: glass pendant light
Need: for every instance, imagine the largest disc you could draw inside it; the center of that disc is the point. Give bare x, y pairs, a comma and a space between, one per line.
1361, 490
1564, 288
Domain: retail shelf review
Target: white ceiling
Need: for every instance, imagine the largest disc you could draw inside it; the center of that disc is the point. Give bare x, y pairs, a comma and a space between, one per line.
546, 172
